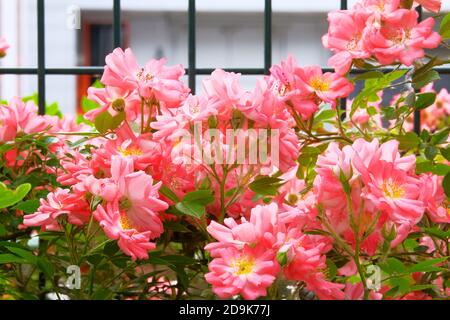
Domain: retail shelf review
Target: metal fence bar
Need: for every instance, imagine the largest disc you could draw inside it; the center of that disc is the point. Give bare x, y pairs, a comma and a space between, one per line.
192, 46
343, 101
117, 24
41, 55
98, 70
417, 123
267, 36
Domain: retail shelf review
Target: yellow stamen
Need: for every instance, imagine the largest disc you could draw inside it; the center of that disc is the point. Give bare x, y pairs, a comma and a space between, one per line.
320, 84
195, 109
125, 223
243, 266
392, 190
130, 151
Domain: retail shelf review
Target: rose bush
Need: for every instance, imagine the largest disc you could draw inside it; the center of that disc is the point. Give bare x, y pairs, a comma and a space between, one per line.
155, 193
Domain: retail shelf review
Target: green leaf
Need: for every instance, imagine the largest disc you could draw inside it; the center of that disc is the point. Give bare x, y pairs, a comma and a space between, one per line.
178, 260
431, 152
325, 114
408, 141
169, 194
420, 80
369, 75
191, 208
105, 122
344, 182
95, 259
446, 153
24, 254
440, 137
11, 258
371, 88
203, 197
393, 266
403, 283
29, 206
407, 4
266, 186
88, 105
282, 258
102, 294
446, 184
389, 113
110, 248
182, 278
444, 30
424, 100
6, 147
435, 232
410, 244
53, 110
440, 169
427, 265
193, 203
9, 197
46, 267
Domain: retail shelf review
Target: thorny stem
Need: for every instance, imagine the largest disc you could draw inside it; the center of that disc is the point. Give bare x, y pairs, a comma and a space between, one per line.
222, 194
308, 131
356, 231
142, 115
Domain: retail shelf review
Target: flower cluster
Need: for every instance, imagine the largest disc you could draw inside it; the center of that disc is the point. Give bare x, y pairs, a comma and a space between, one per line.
250, 253
380, 29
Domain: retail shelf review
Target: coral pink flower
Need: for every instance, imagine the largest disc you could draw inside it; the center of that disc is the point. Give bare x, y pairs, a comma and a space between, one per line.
4, 46
20, 117
378, 7
262, 106
431, 5
223, 91
305, 260
261, 228
136, 195
247, 271
369, 153
197, 108
122, 70
163, 83
356, 292
140, 149
401, 38
117, 226
433, 196
327, 87
131, 212
114, 100
58, 203
345, 38
288, 88
76, 168
395, 192
155, 80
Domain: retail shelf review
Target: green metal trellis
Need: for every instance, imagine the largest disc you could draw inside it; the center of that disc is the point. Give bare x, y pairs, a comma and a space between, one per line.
192, 71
